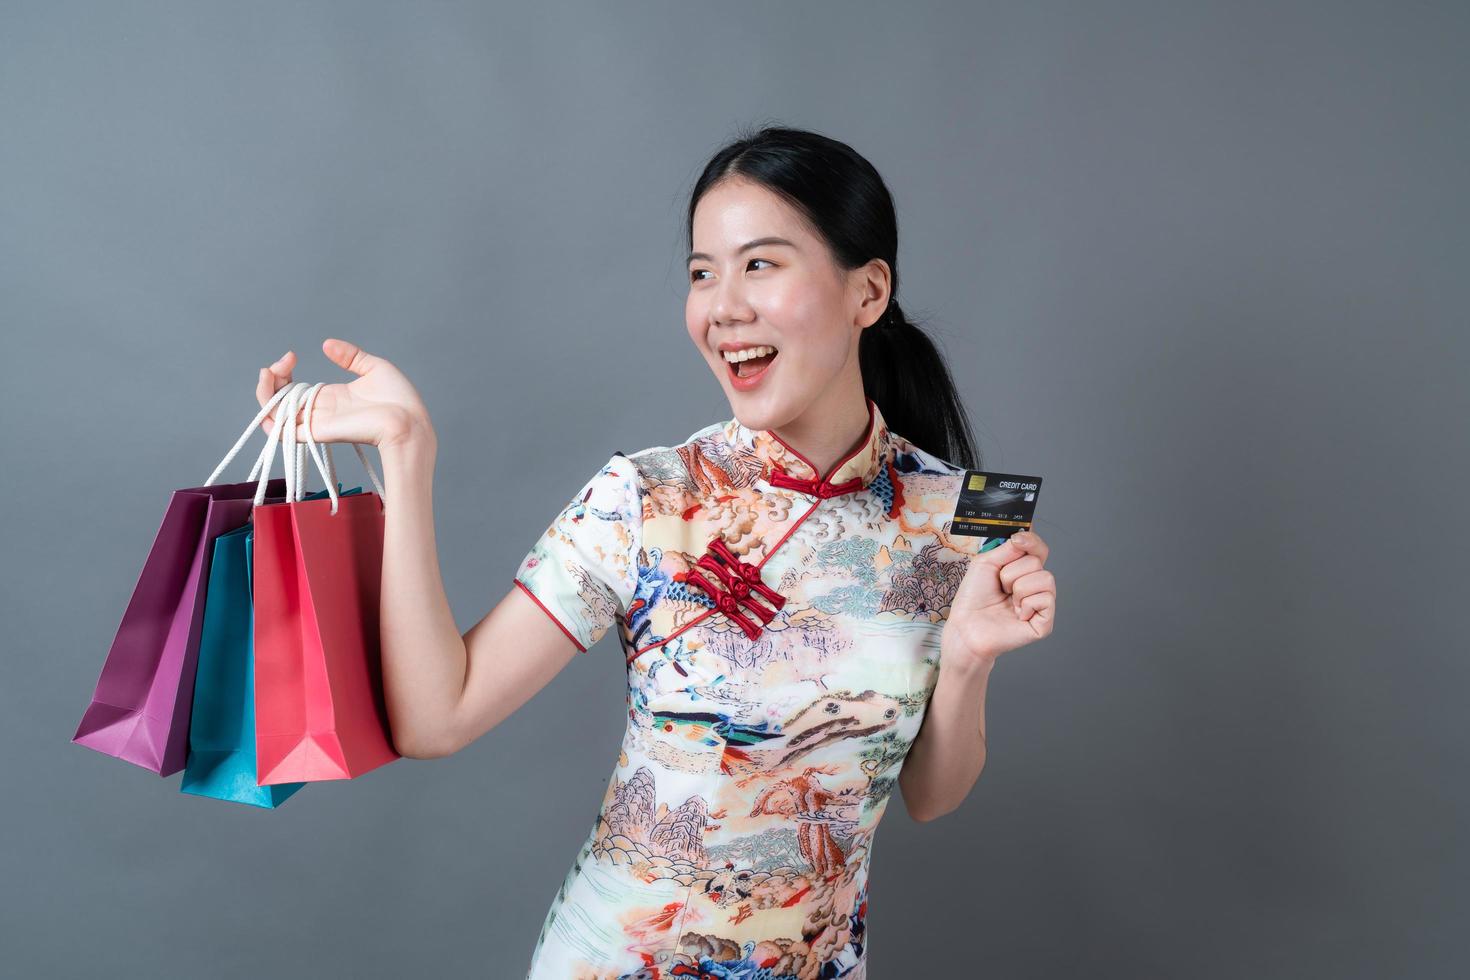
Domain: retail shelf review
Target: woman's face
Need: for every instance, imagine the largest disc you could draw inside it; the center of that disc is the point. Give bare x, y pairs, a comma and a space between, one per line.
758, 276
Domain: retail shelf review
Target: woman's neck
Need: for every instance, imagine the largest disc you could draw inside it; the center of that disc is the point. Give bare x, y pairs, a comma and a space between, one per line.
828, 431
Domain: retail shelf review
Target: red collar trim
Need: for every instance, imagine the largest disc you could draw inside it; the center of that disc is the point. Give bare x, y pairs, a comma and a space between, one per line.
783, 466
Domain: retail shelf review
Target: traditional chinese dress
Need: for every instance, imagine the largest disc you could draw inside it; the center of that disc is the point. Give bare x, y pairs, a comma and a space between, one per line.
781, 631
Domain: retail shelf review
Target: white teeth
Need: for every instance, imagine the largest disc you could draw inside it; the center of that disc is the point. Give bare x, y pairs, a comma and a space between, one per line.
735, 356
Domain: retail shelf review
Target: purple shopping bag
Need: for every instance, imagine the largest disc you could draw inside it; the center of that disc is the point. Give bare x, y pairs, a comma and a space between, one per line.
140, 708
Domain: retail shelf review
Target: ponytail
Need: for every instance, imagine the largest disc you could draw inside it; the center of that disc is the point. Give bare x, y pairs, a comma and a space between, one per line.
907, 377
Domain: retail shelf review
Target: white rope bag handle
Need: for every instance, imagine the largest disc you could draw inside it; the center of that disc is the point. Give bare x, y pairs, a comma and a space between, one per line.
293, 453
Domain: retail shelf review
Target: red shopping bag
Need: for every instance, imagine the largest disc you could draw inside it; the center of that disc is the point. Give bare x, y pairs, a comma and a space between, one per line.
319, 707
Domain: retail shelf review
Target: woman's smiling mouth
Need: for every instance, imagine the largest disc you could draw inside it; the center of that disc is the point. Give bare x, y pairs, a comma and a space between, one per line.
748, 364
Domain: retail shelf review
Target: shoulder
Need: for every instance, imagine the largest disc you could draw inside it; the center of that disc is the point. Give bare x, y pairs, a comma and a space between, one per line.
931, 488
922, 469
670, 465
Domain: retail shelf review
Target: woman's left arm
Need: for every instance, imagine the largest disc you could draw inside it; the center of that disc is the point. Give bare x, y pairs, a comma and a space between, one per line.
1006, 600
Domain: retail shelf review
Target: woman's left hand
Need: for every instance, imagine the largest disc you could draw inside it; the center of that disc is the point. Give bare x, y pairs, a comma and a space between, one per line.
1006, 600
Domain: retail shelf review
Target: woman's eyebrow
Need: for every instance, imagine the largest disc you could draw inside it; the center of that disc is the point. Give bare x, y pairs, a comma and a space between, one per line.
753, 243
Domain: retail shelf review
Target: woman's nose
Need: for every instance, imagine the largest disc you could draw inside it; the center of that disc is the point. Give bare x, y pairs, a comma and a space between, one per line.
729, 306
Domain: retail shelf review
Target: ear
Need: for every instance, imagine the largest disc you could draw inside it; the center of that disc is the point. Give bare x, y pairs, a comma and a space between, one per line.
873, 282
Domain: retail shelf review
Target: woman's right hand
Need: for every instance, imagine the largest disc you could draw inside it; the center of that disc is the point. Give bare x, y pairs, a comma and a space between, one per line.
381, 407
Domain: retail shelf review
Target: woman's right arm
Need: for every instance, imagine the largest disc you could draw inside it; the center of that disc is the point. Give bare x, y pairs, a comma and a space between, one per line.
444, 690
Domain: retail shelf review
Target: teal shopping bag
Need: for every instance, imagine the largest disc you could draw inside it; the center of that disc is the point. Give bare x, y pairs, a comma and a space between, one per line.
221, 759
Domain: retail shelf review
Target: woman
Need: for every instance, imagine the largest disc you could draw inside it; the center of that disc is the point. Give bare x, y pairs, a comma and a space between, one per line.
801, 630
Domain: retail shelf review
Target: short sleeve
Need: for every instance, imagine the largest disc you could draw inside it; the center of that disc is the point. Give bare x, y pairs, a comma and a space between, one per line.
583, 569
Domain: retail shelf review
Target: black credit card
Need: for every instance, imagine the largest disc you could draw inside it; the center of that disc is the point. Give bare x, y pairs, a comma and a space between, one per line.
995, 505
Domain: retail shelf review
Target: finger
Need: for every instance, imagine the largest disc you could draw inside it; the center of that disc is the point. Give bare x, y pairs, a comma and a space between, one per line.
348, 355
1040, 580
1031, 542
271, 380
267, 383
280, 371
1013, 570
1038, 606
1007, 551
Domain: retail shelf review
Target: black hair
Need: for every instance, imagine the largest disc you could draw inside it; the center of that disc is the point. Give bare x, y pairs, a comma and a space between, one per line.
845, 200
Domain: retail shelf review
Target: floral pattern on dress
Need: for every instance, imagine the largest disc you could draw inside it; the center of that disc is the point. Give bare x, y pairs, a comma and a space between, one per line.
781, 634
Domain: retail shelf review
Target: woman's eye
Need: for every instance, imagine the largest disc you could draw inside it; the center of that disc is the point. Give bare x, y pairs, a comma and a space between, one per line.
694, 274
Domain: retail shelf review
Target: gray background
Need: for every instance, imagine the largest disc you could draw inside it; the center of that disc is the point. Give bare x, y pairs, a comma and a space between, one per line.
1202, 266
